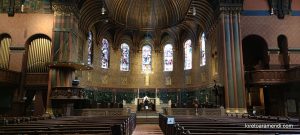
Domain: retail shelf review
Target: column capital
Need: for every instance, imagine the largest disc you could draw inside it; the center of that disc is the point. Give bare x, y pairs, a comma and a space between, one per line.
231, 7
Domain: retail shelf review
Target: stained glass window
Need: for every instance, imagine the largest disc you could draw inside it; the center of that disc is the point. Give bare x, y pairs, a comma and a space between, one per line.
168, 57
124, 62
90, 42
202, 51
188, 55
105, 54
147, 59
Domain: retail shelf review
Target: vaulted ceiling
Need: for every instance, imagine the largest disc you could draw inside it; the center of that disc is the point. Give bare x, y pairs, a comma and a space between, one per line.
148, 15
158, 20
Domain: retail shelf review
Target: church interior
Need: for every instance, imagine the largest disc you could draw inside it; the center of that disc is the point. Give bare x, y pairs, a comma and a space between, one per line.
113, 67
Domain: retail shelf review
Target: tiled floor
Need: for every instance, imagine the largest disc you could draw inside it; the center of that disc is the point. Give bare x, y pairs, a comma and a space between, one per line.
147, 129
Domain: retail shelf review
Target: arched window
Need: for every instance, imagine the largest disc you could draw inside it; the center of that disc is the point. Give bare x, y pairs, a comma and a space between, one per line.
5, 42
202, 51
105, 54
147, 59
188, 54
283, 51
124, 62
168, 57
90, 48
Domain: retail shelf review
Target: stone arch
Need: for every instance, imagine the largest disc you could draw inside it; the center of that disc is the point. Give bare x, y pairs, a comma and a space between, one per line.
255, 53
283, 51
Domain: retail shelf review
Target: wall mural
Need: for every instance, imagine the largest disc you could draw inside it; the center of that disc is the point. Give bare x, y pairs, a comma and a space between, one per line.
26, 6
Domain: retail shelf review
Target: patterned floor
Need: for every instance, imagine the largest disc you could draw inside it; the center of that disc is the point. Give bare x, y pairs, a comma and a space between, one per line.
147, 129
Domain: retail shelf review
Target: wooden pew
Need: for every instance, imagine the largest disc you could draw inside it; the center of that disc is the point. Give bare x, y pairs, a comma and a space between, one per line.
118, 125
221, 125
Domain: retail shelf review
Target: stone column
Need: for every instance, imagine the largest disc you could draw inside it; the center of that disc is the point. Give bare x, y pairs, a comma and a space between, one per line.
234, 72
64, 47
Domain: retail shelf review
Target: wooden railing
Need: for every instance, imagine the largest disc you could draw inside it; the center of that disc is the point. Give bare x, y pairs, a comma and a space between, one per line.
266, 76
294, 74
9, 77
36, 79
274, 76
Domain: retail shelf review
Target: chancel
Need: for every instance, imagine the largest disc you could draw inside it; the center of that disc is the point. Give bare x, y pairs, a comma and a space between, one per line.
124, 67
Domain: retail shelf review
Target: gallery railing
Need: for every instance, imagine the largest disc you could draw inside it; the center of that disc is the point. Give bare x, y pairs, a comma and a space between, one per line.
272, 76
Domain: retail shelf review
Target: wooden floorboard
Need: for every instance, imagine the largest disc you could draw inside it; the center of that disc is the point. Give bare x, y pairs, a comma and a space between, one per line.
147, 129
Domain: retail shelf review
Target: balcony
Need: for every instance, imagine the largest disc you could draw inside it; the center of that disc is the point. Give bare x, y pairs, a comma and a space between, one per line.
294, 75
272, 76
9, 77
36, 79
266, 77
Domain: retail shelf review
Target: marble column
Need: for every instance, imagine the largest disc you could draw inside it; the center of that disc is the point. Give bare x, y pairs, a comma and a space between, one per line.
233, 73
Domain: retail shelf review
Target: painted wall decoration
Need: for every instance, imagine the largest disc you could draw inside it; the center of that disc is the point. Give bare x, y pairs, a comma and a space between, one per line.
26, 6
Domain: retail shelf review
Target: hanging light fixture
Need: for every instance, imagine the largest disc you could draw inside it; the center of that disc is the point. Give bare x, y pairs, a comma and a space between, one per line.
103, 9
194, 11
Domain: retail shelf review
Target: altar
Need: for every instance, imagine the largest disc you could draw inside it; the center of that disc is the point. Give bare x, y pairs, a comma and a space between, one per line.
141, 105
